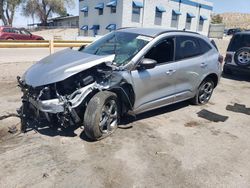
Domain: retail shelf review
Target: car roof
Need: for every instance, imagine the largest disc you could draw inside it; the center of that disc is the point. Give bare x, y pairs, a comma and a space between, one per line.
152, 32
243, 33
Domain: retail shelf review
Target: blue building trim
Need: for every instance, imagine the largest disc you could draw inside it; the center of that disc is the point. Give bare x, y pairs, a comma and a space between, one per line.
195, 4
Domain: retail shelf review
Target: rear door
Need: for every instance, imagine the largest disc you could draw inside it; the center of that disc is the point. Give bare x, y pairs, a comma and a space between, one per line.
191, 66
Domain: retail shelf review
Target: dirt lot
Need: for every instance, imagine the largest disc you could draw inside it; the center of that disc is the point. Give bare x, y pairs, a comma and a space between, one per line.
169, 147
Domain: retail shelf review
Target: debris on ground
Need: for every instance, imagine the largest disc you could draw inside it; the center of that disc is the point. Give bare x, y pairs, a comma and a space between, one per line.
45, 175
238, 108
13, 129
191, 124
8, 116
211, 116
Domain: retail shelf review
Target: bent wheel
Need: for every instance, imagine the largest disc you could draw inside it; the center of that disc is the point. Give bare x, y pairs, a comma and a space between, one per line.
101, 115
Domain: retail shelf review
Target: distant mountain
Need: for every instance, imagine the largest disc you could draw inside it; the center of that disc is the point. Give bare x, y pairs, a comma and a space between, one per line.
236, 20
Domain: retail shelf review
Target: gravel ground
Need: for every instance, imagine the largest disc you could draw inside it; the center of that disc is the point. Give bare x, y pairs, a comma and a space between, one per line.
168, 147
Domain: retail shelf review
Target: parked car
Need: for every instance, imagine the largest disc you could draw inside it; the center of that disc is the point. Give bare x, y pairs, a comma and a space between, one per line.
11, 33
238, 54
130, 70
233, 31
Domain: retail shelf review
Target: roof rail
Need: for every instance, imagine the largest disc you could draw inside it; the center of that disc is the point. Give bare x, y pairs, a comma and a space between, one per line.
179, 31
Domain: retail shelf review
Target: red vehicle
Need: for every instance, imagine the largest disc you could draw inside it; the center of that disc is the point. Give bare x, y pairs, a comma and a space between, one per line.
11, 33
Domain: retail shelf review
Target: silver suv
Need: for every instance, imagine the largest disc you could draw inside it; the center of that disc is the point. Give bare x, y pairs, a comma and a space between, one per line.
130, 70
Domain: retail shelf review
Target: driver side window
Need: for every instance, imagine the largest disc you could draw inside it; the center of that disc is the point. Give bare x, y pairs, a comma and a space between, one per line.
162, 52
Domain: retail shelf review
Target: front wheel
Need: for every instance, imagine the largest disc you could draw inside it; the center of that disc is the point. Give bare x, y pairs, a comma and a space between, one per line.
101, 115
204, 92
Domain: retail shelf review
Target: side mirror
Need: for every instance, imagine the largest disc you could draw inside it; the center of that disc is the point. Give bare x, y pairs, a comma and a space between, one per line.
147, 64
81, 47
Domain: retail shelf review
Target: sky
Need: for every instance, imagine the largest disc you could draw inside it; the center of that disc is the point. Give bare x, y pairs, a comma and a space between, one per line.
220, 6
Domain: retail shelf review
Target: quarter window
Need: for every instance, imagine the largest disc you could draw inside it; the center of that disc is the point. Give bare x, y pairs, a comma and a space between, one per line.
205, 47
187, 47
162, 52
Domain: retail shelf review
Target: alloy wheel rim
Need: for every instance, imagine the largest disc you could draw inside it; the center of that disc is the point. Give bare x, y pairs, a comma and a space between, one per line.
244, 57
109, 117
205, 92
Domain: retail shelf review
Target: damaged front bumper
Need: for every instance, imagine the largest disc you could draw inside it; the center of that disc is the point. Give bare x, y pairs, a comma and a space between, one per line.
60, 104
59, 109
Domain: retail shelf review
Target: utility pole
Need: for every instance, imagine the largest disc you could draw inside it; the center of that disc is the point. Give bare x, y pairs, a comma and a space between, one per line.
199, 13
143, 12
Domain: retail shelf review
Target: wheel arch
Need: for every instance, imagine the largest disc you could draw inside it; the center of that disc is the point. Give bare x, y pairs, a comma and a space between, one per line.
214, 77
126, 96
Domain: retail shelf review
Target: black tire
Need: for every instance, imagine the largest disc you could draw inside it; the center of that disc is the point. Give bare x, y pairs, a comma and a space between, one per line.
98, 124
208, 85
242, 57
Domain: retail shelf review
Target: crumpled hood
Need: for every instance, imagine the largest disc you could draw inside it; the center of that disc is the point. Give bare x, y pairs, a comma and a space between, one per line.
61, 65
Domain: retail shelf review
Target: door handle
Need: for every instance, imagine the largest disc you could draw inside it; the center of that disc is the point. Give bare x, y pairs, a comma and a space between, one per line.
203, 65
170, 72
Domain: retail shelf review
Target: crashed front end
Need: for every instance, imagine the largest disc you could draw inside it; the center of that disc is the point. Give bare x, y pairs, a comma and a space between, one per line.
64, 101
46, 103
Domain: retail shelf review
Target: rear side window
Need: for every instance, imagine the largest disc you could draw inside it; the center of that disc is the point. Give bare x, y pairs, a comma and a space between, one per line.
6, 30
187, 47
205, 47
239, 41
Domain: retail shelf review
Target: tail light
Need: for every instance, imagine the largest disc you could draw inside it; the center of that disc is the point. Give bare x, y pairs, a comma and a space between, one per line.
220, 59
228, 58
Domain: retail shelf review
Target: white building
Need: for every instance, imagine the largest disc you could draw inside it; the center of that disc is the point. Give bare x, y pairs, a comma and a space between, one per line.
98, 17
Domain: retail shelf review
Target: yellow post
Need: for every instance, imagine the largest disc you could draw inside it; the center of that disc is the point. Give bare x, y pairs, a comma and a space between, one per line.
51, 46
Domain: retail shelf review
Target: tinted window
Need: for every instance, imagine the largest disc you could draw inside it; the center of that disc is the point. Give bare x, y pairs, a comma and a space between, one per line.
205, 47
239, 41
187, 47
162, 52
7, 30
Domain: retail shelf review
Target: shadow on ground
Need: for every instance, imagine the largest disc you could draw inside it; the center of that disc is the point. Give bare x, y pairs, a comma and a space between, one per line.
237, 76
46, 129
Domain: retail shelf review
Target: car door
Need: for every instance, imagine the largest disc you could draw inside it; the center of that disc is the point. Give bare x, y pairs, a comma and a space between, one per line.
156, 87
191, 67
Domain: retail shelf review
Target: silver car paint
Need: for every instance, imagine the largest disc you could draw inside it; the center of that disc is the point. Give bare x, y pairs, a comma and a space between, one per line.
60, 66
179, 86
153, 87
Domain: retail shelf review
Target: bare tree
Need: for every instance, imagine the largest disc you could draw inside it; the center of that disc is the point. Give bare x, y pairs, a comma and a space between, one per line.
45, 8
7, 10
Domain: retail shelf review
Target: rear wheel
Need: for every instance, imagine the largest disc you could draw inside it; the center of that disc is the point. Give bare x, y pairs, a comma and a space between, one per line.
242, 57
101, 115
204, 92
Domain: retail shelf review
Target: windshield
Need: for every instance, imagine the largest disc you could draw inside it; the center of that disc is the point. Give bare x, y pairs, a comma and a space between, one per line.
124, 45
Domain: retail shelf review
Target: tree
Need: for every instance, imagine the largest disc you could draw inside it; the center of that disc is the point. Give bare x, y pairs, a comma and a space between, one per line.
7, 10
216, 19
43, 9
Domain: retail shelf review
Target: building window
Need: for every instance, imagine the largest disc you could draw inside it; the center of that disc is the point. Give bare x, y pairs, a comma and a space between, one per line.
175, 18
100, 11
85, 14
201, 23
136, 10
189, 18
158, 11
100, 7
112, 4
158, 14
112, 10
137, 5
